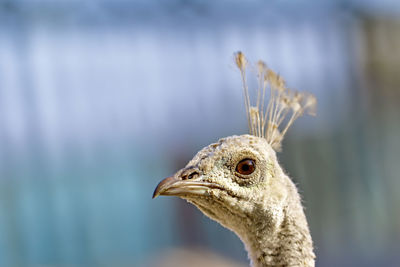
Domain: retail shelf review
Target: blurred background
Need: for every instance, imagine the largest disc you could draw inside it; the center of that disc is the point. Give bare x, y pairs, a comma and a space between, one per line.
100, 100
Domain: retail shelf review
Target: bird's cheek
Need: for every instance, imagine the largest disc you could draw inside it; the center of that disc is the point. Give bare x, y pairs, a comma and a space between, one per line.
216, 194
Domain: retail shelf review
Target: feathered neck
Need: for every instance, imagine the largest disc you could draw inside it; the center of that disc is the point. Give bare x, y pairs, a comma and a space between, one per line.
291, 245
286, 243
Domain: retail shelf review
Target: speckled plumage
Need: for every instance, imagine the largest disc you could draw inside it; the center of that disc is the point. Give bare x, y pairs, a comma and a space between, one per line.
260, 203
264, 210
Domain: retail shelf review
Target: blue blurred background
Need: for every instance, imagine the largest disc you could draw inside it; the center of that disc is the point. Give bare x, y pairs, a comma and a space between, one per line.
100, 100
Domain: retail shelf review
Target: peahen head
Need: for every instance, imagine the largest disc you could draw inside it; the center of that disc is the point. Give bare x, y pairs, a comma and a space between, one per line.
232, 181
239, 183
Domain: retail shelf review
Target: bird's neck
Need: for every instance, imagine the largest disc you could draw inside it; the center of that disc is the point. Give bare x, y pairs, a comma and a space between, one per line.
289, 244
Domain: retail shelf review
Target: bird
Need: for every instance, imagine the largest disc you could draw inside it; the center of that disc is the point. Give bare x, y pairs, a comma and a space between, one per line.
239, 182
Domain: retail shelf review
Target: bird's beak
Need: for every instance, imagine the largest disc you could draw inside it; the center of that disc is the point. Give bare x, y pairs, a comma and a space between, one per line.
173, 186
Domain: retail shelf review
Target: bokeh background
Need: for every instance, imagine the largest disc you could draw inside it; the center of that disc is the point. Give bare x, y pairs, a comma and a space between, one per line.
100, 100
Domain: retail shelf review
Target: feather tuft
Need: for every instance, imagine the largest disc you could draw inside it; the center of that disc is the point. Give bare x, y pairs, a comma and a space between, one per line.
284, 106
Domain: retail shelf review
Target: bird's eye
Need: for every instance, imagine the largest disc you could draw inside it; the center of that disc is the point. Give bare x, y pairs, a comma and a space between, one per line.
246, 166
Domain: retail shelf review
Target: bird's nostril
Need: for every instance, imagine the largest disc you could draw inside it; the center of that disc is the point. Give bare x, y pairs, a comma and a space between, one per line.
190, 176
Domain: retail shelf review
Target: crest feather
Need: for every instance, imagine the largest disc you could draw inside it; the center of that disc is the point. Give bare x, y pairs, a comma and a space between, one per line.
283, 108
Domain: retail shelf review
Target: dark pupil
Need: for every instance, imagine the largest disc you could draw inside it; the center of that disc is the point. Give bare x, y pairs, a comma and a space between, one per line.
245, 167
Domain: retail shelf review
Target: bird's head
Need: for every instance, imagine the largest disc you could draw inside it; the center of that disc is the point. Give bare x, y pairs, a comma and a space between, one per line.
233, 181
239, 183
